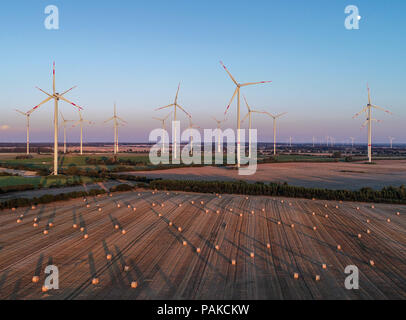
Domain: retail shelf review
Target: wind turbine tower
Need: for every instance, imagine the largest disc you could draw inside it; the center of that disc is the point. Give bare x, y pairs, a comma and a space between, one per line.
163, 120
368, 111
175, 105
65, 122
116, 121
27, 114
275, 118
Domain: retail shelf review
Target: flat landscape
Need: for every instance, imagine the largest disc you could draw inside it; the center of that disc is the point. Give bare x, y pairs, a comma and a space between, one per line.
335, 175
203, 246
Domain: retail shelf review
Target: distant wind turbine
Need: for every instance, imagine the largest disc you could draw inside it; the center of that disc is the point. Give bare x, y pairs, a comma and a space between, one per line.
116, 121
368, 111
237, 93
191, 126
163, 120
27, 114
80, 122
275, 118
219, 122
391, 142
249, 115
64, 121
175, 105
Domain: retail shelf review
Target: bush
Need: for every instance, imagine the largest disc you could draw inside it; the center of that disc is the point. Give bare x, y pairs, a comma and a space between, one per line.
121, 187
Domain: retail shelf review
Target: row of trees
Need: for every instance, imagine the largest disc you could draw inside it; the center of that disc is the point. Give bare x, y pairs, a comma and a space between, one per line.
386, 195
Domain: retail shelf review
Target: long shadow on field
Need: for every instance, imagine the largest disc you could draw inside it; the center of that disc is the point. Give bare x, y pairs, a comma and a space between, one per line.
38, 268
3, 279
109, 264
92, 266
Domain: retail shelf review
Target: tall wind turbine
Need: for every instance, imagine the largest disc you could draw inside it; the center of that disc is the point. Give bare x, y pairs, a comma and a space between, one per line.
163, 120
64, 121
175, 105
249, 115
219, 122
274, 127
80, 122
368, 111
237, 93
56, 96
313, 141
27, 114
116, 121
391, 142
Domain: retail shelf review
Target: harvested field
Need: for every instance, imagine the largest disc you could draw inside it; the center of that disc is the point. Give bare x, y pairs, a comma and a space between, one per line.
337, 175
171, 248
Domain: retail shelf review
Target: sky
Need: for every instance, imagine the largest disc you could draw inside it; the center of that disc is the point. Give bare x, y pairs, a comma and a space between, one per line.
135, 53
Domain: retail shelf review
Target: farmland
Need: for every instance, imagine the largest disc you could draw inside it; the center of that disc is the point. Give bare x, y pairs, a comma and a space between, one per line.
159, 245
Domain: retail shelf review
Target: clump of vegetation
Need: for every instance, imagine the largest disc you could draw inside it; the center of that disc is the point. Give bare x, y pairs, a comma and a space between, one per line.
48, 198
24, 157
121, 188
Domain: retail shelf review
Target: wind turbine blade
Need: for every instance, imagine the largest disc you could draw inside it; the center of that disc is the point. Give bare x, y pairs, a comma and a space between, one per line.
53, 78
177, 93
246, 116
364, 124
189, 115
37, 106
70, 102
380, 108
281, 115
232, 78
269, 114
109, 120
246, 103
253, 83
68, 91
49, 95
62, 116
363, 110
158, 119
231, 101
171, 105
23, 113
122, 120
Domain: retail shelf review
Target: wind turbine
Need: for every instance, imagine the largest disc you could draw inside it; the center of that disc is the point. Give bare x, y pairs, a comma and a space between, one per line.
64, 121
249, 115
191, 126
290, 141
56, 96
237, 93
27, 114
391, 142
175, 105
313, 140
274, 127
352, 142
116, 123
219, 122
368, 111
163, 120
80, 122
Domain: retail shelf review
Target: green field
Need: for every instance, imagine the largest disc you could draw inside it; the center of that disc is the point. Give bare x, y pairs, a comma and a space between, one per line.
43, 182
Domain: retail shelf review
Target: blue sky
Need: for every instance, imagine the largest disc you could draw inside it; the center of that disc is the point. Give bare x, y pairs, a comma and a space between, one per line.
136, 52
